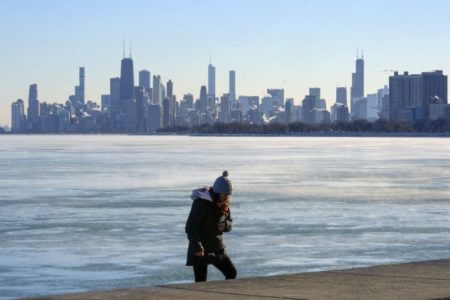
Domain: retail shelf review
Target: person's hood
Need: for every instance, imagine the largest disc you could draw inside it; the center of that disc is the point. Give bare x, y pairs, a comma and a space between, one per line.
202, 193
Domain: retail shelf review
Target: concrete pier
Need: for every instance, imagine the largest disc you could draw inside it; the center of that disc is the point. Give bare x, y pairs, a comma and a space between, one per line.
418, 280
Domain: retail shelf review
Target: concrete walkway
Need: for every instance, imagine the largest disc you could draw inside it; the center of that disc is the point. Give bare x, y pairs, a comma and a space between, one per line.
419, 280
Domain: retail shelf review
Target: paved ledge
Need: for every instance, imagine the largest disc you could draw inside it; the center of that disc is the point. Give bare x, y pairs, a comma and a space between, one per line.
418, 280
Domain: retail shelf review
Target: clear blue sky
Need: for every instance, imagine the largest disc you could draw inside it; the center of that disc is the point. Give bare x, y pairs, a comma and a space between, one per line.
289, 44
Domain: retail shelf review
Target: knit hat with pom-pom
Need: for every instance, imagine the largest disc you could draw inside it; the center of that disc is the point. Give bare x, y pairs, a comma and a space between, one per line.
223, 184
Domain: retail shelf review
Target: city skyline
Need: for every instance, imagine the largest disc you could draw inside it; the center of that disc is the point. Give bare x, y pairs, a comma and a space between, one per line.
264, 54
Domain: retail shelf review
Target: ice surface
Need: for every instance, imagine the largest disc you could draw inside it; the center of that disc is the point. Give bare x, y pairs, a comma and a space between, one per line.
99, 212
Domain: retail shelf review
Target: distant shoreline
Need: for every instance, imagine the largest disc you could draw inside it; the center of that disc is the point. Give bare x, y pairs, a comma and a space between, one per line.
305, 134
328, 134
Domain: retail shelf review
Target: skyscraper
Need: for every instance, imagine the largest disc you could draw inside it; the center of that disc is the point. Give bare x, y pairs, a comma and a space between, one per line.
169, 89
211, 80
172, 103
357, 89
203, 99
141, 105
288, 110
144, 79
127, 103
434, 85
18, 116
82, 87
372, 107
315, 92
188, 101
339, 112
381, 93
225, 108
126, 80
341, 95
154, 117
232, 86
278, 96
309, 104
79, 89
410, 95
405, 97
114, 94
105, 102
166, 113
156, 91
33, 107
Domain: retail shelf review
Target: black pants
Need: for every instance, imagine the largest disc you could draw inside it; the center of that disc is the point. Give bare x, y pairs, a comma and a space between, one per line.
225, 266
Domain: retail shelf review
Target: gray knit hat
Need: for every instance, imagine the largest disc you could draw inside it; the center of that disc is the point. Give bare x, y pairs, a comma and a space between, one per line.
223, 184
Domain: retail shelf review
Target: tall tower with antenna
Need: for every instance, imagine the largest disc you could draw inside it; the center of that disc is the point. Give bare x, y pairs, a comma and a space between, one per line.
357, 89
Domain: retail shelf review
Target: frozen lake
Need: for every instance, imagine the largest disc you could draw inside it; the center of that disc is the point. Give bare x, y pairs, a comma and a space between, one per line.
99, 212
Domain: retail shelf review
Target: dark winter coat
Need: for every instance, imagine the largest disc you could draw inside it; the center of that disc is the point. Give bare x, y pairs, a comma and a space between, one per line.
202, 229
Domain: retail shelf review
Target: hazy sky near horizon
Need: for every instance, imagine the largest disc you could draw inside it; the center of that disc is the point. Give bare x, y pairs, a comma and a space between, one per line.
288, 44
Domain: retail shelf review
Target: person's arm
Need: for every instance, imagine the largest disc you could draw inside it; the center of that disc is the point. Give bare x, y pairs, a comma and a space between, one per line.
228, 223
193, 223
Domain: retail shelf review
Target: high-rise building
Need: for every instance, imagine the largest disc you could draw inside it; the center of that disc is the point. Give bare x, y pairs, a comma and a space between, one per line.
114, 94
166, 113
232, 86
410, 95
357, 89
203, 99
187, 103
211, 80
405, 97
157, 90
381, 93
314, 92
189, 99
82, 86
309, 104
126, 80
105, 102
141, 106
339, 112
341, 95
360, 109
268, 106
18, 117
225, 108
384, 110
144, 79
320, 103
247, 102
169, 89
79, 98
289, 107
438, 109
434, 84
33, 107
154, 117
372, 107
127, 102
278, 96
172, 103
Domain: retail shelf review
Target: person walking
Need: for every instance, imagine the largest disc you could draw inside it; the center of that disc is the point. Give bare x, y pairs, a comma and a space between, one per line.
209, 218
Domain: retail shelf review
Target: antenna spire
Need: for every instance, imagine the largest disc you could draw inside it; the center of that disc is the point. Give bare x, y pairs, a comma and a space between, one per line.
123, 48
130, 49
